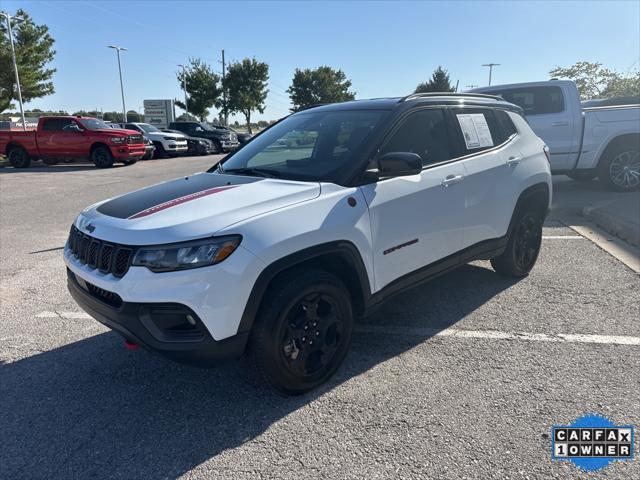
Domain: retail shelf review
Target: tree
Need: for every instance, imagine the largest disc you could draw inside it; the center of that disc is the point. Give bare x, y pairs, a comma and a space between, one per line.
590, 77
322, 85
439, 82
620, 86
34, 50
133, 116
246, 84
203, 88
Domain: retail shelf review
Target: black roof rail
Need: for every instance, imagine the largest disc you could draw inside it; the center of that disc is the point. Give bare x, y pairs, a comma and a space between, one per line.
307, 107
414, 96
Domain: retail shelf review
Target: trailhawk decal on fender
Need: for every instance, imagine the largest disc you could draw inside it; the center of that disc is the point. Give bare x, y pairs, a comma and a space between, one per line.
165, 195
178, 201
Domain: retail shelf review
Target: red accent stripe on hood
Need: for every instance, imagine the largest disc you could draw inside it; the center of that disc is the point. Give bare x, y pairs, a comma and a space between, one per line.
178, 201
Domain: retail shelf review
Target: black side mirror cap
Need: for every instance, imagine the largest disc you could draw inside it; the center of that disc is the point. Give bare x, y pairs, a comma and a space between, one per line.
399, 164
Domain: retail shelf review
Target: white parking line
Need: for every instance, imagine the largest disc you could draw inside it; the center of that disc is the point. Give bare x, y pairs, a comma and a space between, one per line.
498, 335
563, 237
449, 332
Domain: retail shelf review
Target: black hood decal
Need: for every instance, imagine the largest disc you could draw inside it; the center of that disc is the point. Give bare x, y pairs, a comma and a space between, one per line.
132, 204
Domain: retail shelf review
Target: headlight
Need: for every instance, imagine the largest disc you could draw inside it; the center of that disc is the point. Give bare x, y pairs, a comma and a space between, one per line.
203, 142
118, 139
182, 256
171, 138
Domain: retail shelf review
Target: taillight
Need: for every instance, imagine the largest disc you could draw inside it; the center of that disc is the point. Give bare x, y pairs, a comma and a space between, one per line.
545, 149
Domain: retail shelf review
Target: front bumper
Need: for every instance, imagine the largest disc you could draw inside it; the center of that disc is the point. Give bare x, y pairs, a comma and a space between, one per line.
143, 323
228, 145
128, 152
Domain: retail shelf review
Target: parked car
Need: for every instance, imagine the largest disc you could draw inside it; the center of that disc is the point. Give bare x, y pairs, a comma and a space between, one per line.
600, 141
167, 144
195, 145
242, 137
149, 148
224, 141
66, 137
281, 249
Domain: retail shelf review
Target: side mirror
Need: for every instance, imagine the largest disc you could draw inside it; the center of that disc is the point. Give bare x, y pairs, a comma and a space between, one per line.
399, 164
72, 128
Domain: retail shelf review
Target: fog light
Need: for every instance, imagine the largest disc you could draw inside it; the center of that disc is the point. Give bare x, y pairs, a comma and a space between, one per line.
191, 320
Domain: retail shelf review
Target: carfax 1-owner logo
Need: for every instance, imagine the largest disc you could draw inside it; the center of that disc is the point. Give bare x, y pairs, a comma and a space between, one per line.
592, 442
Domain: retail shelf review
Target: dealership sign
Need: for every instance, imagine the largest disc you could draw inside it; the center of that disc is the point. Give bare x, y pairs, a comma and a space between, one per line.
159, 112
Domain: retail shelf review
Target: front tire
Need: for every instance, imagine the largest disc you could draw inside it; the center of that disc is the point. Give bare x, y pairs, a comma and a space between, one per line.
102, 157
130, 161
217, 147
19, 158
620, 170
160, 151
522, 248
303, 331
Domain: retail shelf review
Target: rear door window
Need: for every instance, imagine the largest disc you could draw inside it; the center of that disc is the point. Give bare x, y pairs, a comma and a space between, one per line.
535, 100
477, 129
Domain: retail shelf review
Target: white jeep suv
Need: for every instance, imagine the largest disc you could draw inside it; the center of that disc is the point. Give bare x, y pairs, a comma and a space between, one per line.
315, 222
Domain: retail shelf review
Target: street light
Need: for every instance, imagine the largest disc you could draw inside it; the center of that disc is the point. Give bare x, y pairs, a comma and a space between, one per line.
15, 64
118, 49
490, 65
184, 87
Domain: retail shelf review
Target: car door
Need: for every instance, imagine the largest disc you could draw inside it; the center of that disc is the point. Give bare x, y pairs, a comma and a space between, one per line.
491, 157
57, 140
417, 220
550, 117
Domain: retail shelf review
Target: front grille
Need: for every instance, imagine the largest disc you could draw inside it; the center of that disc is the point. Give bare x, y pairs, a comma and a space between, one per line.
95, 253
110, 298
134, 139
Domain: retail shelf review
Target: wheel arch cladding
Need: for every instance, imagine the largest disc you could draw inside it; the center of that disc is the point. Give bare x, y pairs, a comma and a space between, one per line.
630, 139
340, 258
99, 144
536, 196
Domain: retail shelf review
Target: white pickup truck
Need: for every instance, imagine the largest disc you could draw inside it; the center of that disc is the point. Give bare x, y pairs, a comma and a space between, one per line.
585, 143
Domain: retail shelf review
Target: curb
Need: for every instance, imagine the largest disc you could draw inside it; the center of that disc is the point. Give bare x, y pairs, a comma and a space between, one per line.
627, 231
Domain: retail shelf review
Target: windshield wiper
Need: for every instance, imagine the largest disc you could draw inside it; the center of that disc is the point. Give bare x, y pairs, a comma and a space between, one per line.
258, 172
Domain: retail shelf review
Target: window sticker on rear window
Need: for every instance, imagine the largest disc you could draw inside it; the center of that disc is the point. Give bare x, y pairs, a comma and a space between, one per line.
475, 130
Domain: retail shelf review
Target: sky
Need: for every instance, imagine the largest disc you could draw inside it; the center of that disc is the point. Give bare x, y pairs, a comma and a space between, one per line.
386, 48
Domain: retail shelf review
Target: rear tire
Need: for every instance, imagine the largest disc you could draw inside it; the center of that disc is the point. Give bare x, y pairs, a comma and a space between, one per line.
19, 158
102, 157
620, 170
523, 246
579, 176
301, 308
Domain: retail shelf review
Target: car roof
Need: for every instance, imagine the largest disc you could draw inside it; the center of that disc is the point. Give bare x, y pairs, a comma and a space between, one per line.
419, 99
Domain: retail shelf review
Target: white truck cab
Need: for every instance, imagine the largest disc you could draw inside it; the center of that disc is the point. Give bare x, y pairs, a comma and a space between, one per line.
601, 141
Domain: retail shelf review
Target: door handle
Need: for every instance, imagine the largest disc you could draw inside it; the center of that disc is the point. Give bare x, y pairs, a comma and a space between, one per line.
451, 179
513, 161
559, 124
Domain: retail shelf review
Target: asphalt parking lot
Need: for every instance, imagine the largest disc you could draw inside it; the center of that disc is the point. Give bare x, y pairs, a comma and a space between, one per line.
459, 378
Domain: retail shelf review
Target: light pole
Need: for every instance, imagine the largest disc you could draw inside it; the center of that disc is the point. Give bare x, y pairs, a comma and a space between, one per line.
490, 65
15, 64
184, 87
118, 49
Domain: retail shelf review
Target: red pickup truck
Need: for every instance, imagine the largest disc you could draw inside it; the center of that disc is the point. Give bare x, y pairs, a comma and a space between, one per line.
68, 137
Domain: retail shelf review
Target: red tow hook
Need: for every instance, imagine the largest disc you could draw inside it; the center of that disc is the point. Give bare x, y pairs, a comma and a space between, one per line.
131, 345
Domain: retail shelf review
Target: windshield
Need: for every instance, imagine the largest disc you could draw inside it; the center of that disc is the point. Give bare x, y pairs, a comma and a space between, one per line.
148, 128
306, 146
94, 124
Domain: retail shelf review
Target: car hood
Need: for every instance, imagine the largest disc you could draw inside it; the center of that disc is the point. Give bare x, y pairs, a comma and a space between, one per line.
177, 136
119, 131
190, 207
